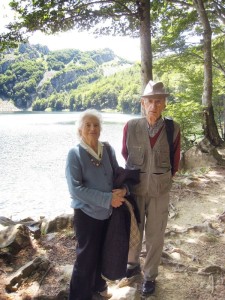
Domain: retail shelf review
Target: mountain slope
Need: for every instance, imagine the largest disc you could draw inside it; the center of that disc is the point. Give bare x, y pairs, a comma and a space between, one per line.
34, 77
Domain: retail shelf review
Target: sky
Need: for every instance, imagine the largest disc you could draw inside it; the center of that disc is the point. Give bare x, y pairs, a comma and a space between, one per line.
124, 47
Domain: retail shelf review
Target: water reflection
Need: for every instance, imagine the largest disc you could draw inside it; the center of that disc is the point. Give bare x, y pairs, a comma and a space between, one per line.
32, 160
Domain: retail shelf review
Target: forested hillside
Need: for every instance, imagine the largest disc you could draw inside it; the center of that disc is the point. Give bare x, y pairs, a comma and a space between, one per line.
35, 78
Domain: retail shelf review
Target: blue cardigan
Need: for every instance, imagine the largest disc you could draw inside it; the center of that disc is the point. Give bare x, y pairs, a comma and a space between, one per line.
90, 186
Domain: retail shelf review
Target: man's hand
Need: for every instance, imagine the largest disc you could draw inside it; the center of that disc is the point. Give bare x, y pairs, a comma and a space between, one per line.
120, 192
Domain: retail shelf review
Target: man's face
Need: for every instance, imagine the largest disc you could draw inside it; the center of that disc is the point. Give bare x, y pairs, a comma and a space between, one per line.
153, 107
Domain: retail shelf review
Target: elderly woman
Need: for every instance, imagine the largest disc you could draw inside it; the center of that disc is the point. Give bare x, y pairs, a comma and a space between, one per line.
89, 175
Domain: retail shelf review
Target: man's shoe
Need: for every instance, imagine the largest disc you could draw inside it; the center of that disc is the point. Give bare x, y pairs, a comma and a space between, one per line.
133, 272
148, 287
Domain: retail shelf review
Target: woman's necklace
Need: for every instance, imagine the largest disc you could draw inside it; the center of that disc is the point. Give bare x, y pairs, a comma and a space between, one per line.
94, 161
94, 157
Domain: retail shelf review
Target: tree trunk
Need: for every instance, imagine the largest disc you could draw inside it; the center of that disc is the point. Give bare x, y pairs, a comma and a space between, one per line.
210, 128
145, 41
209, 124
223, 117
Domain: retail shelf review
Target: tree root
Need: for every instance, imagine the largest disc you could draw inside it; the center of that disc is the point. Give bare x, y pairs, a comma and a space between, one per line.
43, 277
213, 284
208, 228
211, 270
179, 267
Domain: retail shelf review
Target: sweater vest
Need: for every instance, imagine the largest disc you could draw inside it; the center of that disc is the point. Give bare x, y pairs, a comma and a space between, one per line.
154, 163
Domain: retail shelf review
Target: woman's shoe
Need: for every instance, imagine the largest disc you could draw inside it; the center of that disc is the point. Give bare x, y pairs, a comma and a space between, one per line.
133, 272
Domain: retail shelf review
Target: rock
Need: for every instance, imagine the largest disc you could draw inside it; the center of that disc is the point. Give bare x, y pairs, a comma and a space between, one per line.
207, 238
62, 295
187, 182
202, 155
15, 237
6, 222
61, 222
38, 264
33, 226
124, 293
66, 272
205, 146
50, 236
196, 159
176, 256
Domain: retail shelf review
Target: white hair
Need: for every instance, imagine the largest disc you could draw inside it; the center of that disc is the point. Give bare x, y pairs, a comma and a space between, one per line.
87, 113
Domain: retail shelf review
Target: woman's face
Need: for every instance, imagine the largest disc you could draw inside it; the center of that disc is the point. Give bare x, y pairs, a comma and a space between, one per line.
90, 130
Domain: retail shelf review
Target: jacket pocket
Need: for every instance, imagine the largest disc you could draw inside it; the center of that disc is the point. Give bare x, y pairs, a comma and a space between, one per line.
160, 184
162, 159
136, 156
165, 183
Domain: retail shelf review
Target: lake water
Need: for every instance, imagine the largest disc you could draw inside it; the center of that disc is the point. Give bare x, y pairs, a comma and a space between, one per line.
33, 151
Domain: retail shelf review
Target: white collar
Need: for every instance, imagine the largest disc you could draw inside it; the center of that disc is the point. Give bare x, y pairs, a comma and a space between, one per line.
98, 155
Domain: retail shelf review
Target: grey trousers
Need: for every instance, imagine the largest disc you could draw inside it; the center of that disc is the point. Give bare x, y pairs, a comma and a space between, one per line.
154, 216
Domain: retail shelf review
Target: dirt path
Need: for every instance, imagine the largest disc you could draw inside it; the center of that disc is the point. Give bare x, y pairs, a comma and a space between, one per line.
195, 240
193, 262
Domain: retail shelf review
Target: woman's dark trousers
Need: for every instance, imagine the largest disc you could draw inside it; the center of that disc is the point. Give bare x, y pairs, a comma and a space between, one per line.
86, 276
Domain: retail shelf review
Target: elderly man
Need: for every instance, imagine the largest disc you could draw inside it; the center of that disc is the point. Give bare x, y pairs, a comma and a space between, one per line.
146, 147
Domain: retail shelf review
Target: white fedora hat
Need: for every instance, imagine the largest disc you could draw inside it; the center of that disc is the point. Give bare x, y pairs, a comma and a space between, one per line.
154, 89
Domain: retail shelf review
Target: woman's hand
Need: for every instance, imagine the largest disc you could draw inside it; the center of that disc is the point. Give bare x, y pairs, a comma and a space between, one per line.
117, 201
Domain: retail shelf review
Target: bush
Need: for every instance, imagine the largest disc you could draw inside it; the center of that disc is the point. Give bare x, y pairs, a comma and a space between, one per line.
188, 115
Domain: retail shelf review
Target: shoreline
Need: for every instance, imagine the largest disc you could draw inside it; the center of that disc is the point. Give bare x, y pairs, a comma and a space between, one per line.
8, 106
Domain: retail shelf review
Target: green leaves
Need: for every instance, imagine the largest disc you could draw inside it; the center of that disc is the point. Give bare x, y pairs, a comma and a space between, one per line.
188, 115
52, 16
